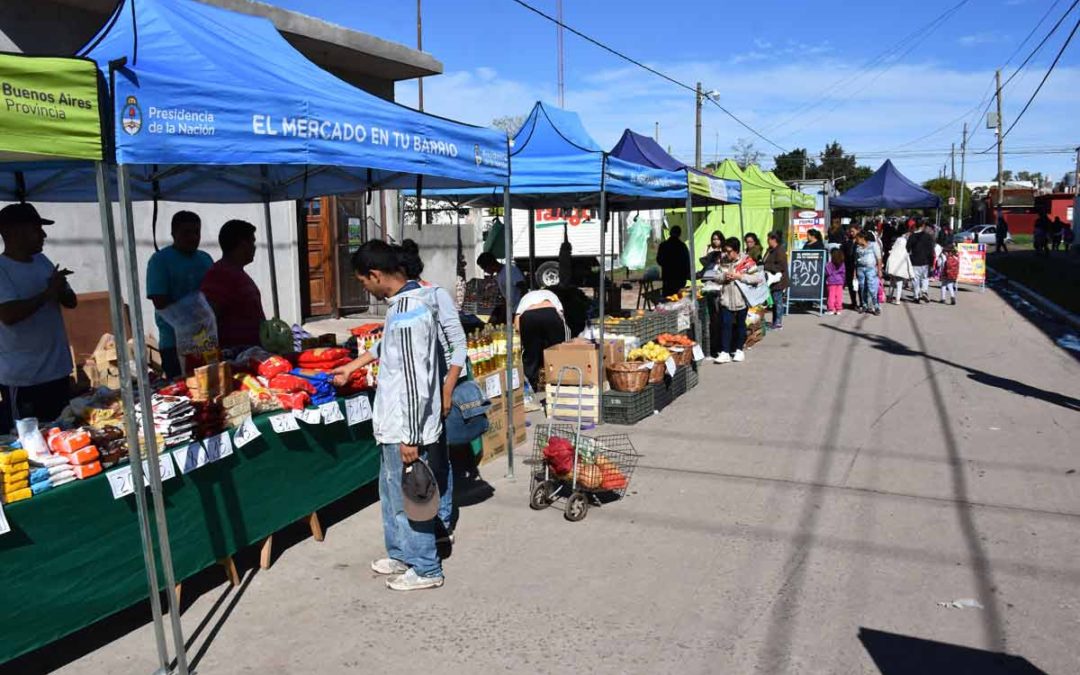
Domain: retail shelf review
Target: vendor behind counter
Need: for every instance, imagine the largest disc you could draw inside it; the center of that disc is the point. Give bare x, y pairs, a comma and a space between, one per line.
234, 296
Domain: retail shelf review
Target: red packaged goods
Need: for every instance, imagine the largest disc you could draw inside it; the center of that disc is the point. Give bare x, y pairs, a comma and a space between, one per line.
275, 365
83, 456
67, 442
366, 329
291, 383
293, 401
314, 358
178, 389
323, 366
87, 470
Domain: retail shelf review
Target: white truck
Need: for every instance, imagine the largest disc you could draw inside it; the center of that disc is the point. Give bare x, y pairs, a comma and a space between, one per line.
581, 227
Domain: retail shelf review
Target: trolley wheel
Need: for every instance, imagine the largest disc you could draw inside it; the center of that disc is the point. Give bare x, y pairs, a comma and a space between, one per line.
541, 496
577, 506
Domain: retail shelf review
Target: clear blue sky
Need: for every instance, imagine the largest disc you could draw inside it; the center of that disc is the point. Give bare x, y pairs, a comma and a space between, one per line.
768, 59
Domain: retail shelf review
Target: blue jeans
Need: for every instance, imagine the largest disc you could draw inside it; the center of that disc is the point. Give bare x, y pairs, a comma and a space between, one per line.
732, 322
439, 459
868, 285
778, 307
406, 541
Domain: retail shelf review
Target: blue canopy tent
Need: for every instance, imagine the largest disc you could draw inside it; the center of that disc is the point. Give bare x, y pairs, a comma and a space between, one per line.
557, 163
640, 149
207, 105
887, 189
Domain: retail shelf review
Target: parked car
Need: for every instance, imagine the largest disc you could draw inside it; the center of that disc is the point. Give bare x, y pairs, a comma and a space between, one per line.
980, 234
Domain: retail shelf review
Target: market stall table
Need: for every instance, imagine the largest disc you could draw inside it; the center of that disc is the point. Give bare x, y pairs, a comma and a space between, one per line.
73, 558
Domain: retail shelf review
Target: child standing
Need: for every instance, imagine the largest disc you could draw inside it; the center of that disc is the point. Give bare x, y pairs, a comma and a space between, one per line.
835, 278
868, 271
950, 272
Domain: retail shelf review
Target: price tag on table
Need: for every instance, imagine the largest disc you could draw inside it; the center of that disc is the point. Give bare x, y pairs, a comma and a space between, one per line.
5, 526
121, 483
699, 353
192, 457
218, 447
516, 379
493, 387
284, 423
670, 365
246, 432
331, 413
308, 415
358, 409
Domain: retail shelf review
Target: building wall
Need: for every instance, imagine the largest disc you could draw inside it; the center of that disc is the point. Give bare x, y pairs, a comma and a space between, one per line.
75, 242
45, 27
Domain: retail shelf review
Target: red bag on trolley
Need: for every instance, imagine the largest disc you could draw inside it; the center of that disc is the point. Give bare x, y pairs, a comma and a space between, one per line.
559, 453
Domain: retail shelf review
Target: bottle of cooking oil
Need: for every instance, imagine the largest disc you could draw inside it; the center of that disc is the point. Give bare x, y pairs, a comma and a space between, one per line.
473, 352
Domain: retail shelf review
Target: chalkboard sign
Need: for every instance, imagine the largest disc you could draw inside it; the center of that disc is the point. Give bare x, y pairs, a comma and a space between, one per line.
806, 276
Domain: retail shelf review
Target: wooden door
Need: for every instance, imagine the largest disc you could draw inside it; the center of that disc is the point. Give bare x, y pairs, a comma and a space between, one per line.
317, 273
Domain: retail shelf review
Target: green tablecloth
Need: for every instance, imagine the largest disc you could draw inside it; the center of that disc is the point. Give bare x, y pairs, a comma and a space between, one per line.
73, 555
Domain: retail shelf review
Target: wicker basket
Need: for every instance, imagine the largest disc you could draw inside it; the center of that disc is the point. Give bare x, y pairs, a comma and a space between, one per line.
685, 357
628, 376
656, 375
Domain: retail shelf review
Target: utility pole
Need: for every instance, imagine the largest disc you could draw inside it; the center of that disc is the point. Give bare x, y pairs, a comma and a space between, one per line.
1000, 155
963, 163
559, 46
952, 187
419, 48
656, 132
1076, 176
697, 127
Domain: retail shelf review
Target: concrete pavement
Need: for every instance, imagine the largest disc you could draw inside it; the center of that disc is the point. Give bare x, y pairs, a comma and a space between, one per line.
802, 512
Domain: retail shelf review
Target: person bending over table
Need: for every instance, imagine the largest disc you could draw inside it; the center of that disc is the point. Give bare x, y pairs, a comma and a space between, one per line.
35, 357
539, 320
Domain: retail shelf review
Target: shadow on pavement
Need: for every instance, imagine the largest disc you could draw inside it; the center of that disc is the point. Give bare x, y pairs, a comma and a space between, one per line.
904, 655
892, 346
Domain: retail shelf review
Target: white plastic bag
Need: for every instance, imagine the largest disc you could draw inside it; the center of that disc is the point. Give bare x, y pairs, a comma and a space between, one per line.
192, 318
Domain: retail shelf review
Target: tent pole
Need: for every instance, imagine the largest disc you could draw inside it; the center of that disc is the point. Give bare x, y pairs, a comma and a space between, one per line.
602, 291
508, 244
693, 269
127, 221
270, 241
532, 250
131, 427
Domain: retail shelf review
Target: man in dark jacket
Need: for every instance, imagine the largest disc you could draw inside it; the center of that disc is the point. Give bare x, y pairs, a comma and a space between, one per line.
674, 260
848, 247
775, 262
920, 248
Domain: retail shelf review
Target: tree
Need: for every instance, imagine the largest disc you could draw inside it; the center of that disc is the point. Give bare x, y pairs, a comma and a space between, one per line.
1036, 178
944, 188
745, 153
794, 165
1006, 176
842, 167
509, 123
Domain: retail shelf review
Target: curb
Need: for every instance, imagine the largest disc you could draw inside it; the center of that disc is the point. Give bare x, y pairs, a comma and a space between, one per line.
1048, 306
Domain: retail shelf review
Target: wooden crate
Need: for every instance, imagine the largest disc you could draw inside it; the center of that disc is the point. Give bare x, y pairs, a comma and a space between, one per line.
564, 407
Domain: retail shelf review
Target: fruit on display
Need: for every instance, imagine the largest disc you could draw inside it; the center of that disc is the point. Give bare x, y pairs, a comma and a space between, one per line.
669, 340
650, 352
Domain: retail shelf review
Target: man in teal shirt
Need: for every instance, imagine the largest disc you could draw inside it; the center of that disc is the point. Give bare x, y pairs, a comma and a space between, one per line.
172, 273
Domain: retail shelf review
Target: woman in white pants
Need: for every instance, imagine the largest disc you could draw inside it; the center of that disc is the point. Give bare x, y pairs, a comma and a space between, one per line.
898, 266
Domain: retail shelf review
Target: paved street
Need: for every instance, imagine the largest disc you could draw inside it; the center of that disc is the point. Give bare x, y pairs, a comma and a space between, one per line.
803, 512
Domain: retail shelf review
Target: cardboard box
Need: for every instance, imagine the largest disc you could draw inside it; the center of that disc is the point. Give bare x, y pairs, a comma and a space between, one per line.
579, 354
494, 441
494, 384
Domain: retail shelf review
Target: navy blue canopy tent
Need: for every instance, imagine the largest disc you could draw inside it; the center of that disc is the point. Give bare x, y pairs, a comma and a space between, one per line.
640, 149
887, 189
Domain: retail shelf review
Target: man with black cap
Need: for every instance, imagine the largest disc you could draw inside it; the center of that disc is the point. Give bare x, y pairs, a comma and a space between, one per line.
35, 357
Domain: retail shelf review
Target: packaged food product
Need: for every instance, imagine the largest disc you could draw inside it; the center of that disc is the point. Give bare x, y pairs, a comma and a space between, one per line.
87, 470
275, 365
67, 442
83, 456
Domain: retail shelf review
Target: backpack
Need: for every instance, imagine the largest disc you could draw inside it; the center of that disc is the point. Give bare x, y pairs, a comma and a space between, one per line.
952, 267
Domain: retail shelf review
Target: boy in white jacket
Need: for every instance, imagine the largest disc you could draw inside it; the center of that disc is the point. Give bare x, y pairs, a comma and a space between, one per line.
408, 410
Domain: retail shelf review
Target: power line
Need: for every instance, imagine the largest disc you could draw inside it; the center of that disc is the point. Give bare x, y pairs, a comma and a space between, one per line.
918, 35
1035, 93
652, 70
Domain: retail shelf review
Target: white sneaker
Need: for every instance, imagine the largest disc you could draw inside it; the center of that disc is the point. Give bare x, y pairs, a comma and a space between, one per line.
739, 356
723, 358
388, 566
411, 581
